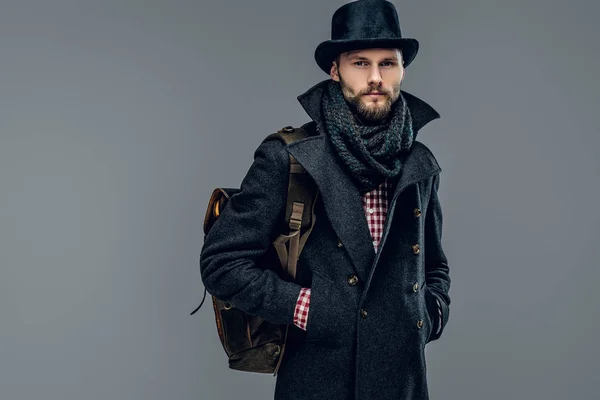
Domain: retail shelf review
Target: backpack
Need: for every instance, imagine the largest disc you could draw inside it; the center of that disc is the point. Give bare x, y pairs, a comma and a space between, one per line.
251, 343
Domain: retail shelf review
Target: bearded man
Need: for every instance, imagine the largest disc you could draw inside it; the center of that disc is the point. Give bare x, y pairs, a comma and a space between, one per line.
372, 281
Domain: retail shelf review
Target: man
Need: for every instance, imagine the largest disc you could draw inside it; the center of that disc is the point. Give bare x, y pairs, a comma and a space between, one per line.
372, 281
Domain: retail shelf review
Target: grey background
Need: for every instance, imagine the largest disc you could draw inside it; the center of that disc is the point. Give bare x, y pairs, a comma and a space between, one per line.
118, 118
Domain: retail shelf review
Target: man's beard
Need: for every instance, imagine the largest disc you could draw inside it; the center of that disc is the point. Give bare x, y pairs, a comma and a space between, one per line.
370, 115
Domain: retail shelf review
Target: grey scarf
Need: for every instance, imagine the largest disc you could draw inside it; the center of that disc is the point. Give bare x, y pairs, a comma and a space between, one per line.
370, 153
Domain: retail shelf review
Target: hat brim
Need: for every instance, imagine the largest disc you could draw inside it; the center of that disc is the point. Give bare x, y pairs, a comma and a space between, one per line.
326, 51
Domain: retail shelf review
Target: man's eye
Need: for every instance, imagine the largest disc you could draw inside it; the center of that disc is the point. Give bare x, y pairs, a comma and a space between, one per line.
385, 63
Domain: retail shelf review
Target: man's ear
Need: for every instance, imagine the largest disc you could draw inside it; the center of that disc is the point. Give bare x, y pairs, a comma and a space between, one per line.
333, 72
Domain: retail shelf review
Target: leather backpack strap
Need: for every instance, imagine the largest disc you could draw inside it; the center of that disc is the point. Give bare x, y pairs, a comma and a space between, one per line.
299, 215
301, 198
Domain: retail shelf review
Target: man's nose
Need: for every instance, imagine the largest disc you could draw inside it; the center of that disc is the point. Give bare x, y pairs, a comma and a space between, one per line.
375, 76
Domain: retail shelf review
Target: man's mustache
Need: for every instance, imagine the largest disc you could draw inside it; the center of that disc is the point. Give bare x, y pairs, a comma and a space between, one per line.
378, 90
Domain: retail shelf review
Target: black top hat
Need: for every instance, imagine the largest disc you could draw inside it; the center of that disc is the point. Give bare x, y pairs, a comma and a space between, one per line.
364, 24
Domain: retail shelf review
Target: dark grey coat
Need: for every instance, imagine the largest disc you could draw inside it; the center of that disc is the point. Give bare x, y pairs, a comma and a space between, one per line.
363, 341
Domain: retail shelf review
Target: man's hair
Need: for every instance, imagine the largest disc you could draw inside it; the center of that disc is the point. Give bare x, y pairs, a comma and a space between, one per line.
337, 58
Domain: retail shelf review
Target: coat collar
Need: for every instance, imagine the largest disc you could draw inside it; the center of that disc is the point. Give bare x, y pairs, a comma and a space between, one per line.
341, 197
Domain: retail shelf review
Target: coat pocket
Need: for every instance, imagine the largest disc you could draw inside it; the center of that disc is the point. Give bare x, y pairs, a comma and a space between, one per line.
322, 320
432, 313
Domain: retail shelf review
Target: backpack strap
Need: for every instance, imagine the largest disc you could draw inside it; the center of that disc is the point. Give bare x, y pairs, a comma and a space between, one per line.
300, 209
299, 214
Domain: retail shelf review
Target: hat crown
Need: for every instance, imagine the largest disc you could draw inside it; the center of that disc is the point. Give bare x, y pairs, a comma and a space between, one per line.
365, 19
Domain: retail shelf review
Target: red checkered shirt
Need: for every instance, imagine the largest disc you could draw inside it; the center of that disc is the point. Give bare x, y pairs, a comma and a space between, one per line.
375, 206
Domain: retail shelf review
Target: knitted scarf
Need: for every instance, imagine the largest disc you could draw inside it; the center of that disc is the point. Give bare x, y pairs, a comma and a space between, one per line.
370, 153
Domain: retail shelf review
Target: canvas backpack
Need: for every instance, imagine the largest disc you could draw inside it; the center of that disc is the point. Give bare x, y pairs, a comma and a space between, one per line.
251, 343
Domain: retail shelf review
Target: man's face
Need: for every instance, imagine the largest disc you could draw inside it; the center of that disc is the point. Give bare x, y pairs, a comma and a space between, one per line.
364, 72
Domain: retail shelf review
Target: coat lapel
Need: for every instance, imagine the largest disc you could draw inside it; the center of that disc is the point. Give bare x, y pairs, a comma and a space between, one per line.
341, 198
340, 195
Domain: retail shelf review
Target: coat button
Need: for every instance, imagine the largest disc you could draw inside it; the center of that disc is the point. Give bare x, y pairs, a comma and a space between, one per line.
352, 280
339, 243
420, 323
417, 212
363, 313
415, 248
416, 286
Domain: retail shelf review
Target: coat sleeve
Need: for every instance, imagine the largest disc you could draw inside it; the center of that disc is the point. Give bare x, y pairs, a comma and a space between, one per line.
436, 264
230, 263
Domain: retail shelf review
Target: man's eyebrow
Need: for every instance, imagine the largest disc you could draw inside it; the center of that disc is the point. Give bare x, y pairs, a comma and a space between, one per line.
362, 58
